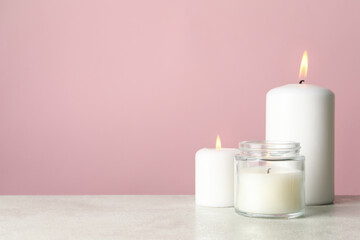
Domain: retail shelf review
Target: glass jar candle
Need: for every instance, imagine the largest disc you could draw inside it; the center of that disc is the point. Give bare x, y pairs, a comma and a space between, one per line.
269, 179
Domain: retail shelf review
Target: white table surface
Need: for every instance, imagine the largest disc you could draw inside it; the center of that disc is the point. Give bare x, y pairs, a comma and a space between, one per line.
164, 217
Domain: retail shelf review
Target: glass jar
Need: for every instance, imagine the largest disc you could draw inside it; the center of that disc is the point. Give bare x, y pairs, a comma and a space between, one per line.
269, 179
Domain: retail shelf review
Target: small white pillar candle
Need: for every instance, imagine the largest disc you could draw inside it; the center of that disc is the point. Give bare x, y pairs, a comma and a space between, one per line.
214, 176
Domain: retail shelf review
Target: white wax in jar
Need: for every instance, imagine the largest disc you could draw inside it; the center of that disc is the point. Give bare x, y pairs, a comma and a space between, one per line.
280, 191
214, 177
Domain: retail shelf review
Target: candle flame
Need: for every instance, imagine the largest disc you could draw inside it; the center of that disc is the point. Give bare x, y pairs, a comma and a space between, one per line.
303, 67
218, 143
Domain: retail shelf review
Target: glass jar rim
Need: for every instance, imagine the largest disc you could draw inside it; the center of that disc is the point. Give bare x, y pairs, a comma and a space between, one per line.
270, 150
269, 145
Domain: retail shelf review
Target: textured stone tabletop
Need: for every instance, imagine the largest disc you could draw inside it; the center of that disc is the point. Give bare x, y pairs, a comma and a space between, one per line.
164, 217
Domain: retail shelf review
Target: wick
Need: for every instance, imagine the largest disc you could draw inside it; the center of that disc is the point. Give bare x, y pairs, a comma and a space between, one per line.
268, 171
301, 81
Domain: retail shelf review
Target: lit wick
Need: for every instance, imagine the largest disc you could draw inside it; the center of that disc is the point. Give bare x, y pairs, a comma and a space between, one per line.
301, 81
268, 171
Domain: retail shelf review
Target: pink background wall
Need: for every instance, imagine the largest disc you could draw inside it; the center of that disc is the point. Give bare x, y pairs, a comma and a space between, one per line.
115, 97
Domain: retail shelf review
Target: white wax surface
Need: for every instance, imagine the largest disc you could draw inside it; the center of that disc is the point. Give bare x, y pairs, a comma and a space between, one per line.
305, 113
278, 192
214, 177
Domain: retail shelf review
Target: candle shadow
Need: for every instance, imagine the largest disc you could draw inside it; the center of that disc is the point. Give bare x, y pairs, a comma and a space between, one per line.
343, 206
347, 199
322, 210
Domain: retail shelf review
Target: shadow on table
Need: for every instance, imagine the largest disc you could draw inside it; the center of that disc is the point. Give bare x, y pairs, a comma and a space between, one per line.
344, 206
347, 199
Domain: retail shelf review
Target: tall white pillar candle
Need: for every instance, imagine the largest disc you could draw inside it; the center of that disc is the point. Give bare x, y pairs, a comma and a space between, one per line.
305, 113
214, 176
